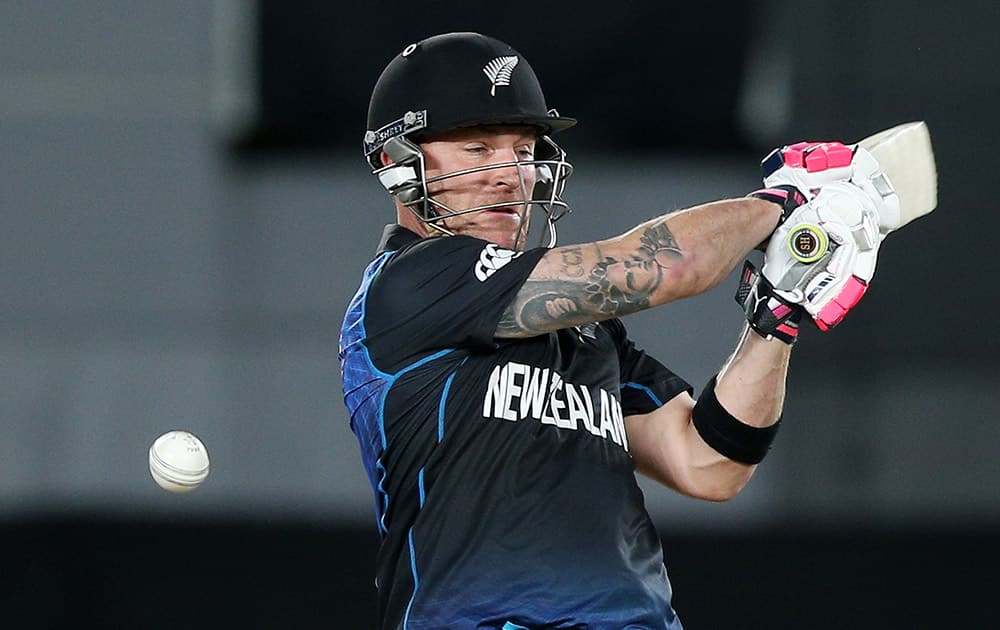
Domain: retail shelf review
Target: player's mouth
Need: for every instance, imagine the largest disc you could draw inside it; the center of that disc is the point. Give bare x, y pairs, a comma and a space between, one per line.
508, 210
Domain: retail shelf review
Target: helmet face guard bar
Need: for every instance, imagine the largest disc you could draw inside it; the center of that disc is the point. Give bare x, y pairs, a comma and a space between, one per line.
406, 180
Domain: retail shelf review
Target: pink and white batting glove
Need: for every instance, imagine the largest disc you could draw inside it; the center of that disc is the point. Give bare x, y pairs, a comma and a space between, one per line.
770, 315
808, 166
794, 175
823, 256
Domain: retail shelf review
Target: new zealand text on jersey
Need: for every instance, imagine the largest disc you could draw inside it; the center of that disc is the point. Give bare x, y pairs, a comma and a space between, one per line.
516, 391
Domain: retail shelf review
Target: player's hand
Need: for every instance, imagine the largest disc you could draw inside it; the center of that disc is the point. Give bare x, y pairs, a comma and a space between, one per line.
786, 196
793, 173
767, 312
823, 256
806, 167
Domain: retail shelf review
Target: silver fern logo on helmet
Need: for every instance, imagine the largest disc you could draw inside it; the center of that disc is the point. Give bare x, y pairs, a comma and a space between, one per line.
498, 71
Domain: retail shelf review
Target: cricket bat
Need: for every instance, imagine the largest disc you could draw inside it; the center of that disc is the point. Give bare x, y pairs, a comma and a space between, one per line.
906, 157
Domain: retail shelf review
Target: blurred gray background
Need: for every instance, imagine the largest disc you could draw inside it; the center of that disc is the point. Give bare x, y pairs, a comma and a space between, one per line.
185, 215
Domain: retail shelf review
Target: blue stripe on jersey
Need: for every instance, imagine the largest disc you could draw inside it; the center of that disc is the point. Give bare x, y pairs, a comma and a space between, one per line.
381, 424
366, 388
512, 626
444, 398
423, 493
648, 391
413, 555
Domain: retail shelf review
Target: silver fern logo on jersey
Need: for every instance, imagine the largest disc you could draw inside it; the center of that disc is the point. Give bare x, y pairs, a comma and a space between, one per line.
498, 72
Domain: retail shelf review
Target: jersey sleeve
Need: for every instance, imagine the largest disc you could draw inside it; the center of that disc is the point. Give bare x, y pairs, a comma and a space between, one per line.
646, 384
443, 293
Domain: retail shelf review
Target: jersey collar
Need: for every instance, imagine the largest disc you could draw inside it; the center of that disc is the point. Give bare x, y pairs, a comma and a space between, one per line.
394, 237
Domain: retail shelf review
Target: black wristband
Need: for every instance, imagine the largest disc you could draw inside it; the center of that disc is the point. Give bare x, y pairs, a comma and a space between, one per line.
726, 434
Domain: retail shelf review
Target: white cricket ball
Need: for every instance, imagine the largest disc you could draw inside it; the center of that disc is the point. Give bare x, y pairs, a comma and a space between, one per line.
178, 461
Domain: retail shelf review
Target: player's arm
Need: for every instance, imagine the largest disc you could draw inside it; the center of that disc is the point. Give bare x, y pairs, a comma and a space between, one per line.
709, 448
673, 256
668, 447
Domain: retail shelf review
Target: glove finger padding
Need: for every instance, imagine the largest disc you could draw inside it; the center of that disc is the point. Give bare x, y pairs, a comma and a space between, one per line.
824, 255
808, 166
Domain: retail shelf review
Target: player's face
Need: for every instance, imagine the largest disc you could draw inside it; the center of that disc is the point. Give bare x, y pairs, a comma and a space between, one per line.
475, 147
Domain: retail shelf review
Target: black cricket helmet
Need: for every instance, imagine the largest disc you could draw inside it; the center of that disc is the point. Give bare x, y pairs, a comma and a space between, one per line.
460, 80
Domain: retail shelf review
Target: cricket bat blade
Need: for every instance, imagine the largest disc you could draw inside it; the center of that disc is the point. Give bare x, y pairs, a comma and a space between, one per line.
906, 157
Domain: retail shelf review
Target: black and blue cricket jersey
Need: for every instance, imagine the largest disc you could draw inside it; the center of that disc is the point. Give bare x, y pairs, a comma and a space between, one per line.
505, 495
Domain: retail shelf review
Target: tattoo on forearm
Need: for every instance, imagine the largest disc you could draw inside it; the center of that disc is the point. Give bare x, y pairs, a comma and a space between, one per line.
658, 242
610, 288
572, 258
617, 287
535, 310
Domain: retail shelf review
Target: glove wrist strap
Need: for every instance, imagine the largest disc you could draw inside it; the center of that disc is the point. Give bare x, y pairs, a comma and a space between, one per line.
787, 196
768, 314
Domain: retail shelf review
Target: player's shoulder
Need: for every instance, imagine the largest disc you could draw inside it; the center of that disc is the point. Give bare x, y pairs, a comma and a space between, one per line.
455, 256
436, 245
616, 329
425, 269
400, 242
430, 250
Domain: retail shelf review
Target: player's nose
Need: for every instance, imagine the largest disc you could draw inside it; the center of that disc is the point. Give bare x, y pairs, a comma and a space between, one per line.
507, 173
